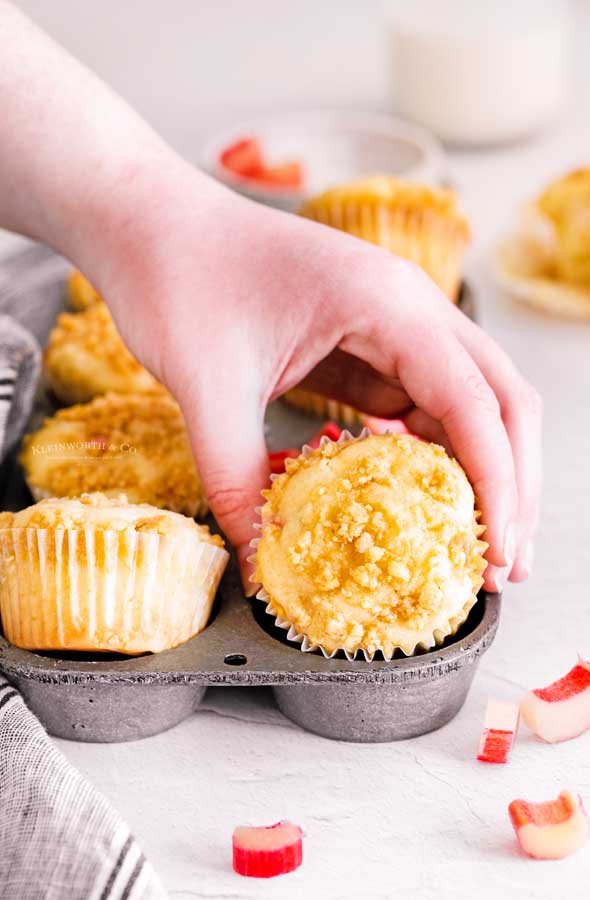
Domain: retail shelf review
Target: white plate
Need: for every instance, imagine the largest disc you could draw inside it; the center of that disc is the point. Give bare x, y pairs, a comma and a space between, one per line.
334, 147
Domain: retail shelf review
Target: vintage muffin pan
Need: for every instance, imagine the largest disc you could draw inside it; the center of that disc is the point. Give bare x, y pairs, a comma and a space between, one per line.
114, 698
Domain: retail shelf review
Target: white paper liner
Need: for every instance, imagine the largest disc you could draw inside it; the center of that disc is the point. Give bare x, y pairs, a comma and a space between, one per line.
515, 272
307, 646
322, 407
104, 590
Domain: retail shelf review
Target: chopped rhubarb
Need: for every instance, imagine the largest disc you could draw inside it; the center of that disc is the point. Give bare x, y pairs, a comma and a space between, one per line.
499, 730
287, 175
550, 830
384, 426
562, 710
330, 430
245, 157
278, 457
267, 851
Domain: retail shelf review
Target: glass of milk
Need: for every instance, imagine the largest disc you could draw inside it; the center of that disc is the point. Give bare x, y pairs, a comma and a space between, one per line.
479, 73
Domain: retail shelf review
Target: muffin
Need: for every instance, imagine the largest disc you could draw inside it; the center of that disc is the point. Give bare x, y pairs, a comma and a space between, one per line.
546, 261
323, 407
370, 545
416, 222
136, 444
566, 205
100, 574
79, 292
85, 357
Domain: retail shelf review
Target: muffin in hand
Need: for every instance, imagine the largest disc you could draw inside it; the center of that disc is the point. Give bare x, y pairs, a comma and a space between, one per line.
371, 545
101, 574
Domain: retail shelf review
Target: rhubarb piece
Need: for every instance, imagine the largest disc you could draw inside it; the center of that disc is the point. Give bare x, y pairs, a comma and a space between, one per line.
550, 830
285, 175
384, 426
267, 851
562, 710
245, 157
499, 730
330, 430
278, 457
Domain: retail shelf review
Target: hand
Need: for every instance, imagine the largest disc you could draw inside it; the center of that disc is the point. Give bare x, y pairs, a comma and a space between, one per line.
230, 304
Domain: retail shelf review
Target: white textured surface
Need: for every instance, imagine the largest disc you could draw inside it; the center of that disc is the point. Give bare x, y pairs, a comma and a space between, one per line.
420, 815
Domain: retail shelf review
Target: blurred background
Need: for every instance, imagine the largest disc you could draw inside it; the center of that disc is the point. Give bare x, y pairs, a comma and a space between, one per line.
191, 66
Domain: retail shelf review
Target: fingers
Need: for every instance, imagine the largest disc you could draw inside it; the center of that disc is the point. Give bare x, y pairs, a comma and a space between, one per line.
225, 426
445, 383
418, 422
521, 408
350, 380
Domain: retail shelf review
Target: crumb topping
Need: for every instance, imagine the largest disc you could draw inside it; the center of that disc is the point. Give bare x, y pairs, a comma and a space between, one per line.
85, 356
131, 443
366, 539
105, 513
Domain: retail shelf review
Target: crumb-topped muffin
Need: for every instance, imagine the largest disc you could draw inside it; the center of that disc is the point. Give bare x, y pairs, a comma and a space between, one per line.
98, 573
136, 444
79, 292
546, 261
566, 204
85, 357
414, 221
371, 544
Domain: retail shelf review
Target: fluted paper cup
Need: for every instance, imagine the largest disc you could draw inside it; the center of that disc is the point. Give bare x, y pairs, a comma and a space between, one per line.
416, 642
105, 590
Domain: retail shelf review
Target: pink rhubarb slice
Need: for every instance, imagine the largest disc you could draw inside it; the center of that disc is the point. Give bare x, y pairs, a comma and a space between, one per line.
550, 830
562, 710
267, 851
499, 730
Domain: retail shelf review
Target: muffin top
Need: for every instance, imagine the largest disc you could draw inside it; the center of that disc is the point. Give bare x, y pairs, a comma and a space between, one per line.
371, 544
86, 354
386, 190
80, 293
104, 514
566, 204
131, 443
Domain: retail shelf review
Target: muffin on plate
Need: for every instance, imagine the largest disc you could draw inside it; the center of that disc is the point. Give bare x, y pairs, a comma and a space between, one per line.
136, 444
85, 357
79, 292
566, 205
370, 544
419, 223
100, 574
546, 262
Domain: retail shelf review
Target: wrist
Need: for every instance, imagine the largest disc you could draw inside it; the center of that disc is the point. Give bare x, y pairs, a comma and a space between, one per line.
123, 223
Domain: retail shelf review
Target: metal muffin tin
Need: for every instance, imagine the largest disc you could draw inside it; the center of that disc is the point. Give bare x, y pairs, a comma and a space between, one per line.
110, 698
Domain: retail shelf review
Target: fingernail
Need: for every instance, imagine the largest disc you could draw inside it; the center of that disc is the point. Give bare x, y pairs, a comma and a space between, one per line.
528, 557
510, 545
500, 577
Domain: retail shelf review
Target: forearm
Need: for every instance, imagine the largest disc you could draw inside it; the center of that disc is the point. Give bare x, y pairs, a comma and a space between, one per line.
76, 163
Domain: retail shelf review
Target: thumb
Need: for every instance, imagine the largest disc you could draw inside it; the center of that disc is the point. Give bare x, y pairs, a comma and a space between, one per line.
226, 431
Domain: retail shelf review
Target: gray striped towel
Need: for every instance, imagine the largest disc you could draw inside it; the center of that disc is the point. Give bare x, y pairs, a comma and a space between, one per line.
59, 838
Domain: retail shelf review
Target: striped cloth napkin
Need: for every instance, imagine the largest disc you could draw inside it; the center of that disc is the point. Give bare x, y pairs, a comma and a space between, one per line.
59, 838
